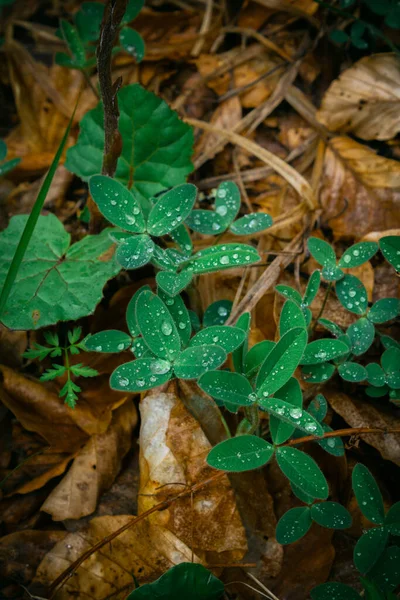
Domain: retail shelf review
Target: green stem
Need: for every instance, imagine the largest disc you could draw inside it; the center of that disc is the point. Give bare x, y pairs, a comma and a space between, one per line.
253, 417
328, 289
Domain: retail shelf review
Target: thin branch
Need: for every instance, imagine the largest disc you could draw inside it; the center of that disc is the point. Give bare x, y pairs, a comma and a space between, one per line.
341, 433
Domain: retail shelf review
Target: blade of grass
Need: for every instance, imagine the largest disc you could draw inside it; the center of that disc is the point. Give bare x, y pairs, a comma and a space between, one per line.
32, 220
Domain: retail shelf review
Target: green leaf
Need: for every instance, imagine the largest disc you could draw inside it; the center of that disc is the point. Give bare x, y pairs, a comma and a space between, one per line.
301, 495
140, 350
251, 224
37, 351
68, 391
332, 515
229, 338
358, 254
156, 149
206, 222
186, 580
133, 8
197, 360
332, 445
392, 519
180, 314
352, 294
8, 166
323, 350
256, 356
133, 43
292, 395
384, 310
339, 37
331, 326
181, 236
157, 326
390, 248
241, 453
390, 360
135, 252
88, 20
318, 373
217, 313
389, 342
361, 334
228, 387
173, 283
3, 150
108, 341
386, 571
291, 316
334, 591
351, 371
318, 407
293, 415
239, 353
303, 471
369, 548
194, 320
73, 336
50, 374
289, 292
332, 273
377, 392
52, 338
368, 494
56, 281
140, 375
81, 370
118, 204
227, 201
171, 209
227, 256
322, 252
375, 374
131, 320
281, 362
312, 288
74, 43
293, 525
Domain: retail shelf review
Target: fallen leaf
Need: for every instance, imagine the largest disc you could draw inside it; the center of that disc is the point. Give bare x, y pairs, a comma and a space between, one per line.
365, 99
226, 116
360, 190
364, 414
173, 449
260, 75
94, 469
142, 553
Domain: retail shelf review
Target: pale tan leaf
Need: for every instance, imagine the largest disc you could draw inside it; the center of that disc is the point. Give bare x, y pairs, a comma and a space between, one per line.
360, 190
173, 451
365, 99
226, 116
94, 469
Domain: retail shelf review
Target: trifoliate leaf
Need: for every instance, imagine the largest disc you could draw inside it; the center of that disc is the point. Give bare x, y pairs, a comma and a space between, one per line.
228, 387
312, 288
193, 362
352, 294
173, 283
133, 43
157, 326
108, 341
293, 525
331, 514
303, 471
56, 281
141, 374
390, 248
241, 453
384, 310
135, 252
368, 494
358, 254
323, 350
351, 371
217, 313
251, 224
229, 338
227, 256
171, 209
118, 204
156, 149
322, 252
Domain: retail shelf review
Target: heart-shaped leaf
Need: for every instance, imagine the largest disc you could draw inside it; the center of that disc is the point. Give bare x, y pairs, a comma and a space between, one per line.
108, 341
135, 251
173, 283
251, 224
171, 209
193, 362
157, 326
240, 453
303, 471
140, 375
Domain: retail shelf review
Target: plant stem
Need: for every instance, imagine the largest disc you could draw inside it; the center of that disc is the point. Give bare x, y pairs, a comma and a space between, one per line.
321, 311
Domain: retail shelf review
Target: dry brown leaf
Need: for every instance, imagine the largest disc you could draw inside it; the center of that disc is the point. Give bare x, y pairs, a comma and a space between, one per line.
173, 449
360, 190
260, 75
94, 469
227, 116
365, 99
296, 7
364, 414
142, 553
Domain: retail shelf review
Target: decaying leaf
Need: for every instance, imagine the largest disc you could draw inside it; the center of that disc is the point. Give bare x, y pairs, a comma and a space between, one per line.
365, 99
173, 449
94, 468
